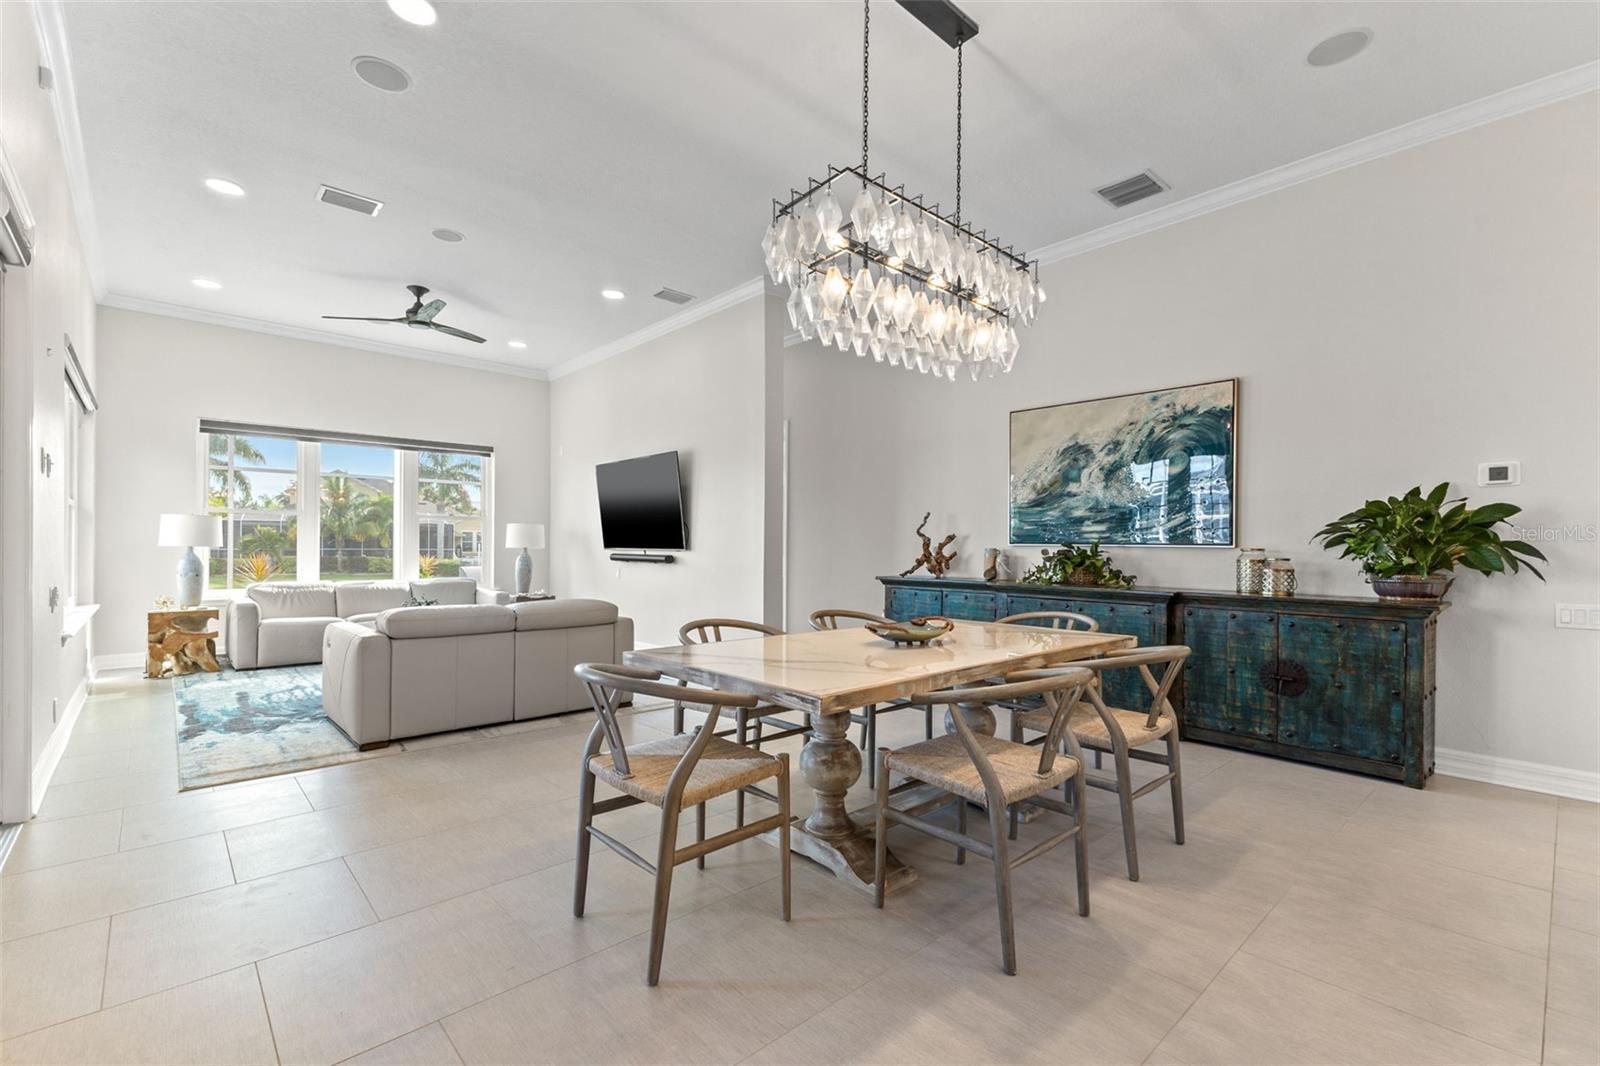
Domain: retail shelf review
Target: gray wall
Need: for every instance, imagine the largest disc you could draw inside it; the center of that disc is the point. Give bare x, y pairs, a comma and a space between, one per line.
161, 375
699, 391
1392, 324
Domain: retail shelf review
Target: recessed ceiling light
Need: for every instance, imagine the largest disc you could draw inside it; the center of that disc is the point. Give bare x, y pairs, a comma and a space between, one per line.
449, 236
381, 74
516, 344
1339, 47
224, 187
416, 12
206, 283
613, 294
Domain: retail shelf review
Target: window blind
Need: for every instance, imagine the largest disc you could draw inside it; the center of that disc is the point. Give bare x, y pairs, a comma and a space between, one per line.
250, 429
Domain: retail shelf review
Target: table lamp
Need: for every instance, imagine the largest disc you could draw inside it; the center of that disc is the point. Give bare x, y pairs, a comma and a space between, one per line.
524, 535
189, 531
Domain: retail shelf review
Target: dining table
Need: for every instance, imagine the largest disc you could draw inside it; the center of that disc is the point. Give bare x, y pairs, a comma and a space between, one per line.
829, 674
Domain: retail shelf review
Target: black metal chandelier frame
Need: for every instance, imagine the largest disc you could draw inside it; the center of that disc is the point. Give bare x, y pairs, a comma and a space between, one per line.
955, 28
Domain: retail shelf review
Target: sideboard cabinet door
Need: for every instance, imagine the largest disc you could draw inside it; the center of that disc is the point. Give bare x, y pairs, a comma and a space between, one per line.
1125, 688
1222, 684
914, 603
1353, 698
971, 606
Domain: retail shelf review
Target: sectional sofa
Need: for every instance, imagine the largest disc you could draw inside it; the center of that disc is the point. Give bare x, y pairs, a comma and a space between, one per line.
418, 670
280, 623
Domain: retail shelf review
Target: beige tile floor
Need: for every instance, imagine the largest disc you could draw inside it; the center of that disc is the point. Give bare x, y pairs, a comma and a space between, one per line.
416, 909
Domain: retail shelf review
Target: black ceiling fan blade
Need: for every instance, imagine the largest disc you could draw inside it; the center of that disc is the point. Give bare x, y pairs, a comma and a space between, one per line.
360, 318
429, 310
453, 332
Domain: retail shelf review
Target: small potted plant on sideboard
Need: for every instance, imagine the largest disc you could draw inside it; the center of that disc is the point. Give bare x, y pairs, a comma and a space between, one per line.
1086, 567
1410, 545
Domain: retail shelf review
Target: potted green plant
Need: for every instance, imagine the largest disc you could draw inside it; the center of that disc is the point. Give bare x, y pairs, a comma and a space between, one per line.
1071, 565
1410, 545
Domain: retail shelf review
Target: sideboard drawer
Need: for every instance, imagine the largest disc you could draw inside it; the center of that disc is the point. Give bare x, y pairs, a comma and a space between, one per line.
914, 603
972, 606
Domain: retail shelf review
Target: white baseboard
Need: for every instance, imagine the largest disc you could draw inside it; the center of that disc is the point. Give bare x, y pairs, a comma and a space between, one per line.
50, 758
126, 661
1515, 773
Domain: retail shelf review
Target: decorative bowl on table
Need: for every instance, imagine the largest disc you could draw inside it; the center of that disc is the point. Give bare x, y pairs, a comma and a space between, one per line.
913, 631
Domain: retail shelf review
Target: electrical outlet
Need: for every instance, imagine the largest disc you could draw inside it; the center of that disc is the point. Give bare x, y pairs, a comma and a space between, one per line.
1578, 616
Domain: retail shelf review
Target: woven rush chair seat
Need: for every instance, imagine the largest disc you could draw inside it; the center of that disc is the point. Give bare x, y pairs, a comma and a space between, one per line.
944, 763
1091, 729
723, 767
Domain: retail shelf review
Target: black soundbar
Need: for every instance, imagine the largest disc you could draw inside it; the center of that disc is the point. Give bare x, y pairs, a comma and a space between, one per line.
641, 557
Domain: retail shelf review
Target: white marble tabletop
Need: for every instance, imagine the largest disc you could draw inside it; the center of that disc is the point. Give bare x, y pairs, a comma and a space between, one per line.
836, 671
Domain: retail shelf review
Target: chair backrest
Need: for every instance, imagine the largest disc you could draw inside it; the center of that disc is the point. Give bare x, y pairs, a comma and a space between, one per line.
1168, 656
1057, 620
712, 630
1060, 689
608, 683
829, 618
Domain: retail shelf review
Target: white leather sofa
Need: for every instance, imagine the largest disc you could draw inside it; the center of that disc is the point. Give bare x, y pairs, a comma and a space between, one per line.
280, 623
419, 670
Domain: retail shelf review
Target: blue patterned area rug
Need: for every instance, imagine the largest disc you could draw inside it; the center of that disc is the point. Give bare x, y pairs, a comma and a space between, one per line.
242, 724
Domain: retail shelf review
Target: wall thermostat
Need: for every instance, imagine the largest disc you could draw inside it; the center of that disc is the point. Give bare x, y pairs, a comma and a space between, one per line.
1500, 472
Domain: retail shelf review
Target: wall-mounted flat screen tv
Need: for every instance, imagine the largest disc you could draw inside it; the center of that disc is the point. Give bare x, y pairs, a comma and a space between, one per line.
641, 503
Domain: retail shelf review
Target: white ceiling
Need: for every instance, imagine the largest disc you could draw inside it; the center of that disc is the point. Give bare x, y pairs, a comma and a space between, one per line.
637, 145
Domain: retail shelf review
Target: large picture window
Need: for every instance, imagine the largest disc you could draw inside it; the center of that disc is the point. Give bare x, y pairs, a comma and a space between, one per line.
377, 510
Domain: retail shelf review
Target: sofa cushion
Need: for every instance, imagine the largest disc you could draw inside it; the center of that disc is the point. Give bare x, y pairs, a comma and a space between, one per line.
446, 590
564, 614
287, 641
282, 599
370, 597
404, 623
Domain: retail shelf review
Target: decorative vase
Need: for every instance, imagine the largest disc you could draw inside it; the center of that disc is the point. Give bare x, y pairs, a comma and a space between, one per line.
1248, 570
1279, 578
524, 573
991, 564
190, 574
1408, 587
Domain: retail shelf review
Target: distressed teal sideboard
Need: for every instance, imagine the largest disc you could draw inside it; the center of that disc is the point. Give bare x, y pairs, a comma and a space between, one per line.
1342, 681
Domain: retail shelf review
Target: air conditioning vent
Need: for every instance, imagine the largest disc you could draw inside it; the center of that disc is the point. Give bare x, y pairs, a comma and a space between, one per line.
365, 205
1132, 190
673, 296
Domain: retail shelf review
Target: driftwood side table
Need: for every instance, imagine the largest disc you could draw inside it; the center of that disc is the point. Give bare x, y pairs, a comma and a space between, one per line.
184, 637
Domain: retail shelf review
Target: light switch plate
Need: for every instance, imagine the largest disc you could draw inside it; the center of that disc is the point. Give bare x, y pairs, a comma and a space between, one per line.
1578, 616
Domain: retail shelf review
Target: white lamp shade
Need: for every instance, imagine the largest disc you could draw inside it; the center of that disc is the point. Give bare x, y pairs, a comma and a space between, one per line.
189, 531
524, 535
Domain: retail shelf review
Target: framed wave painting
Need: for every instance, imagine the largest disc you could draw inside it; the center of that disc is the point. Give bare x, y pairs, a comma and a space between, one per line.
1148, 468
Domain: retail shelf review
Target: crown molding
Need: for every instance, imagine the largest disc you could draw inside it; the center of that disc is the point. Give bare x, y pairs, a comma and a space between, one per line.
671, 324
51, 28
319, 336
1513, 101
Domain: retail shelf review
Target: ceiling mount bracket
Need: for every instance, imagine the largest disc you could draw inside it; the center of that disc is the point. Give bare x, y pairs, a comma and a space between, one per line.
952, 25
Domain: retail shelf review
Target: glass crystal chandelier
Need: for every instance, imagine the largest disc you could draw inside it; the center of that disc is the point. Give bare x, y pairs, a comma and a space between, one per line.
896, 278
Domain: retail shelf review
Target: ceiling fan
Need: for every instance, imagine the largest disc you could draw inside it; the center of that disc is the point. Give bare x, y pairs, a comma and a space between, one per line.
418, 316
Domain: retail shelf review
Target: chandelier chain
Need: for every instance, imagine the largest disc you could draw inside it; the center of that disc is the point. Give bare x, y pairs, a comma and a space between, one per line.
866, 75
961, 45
